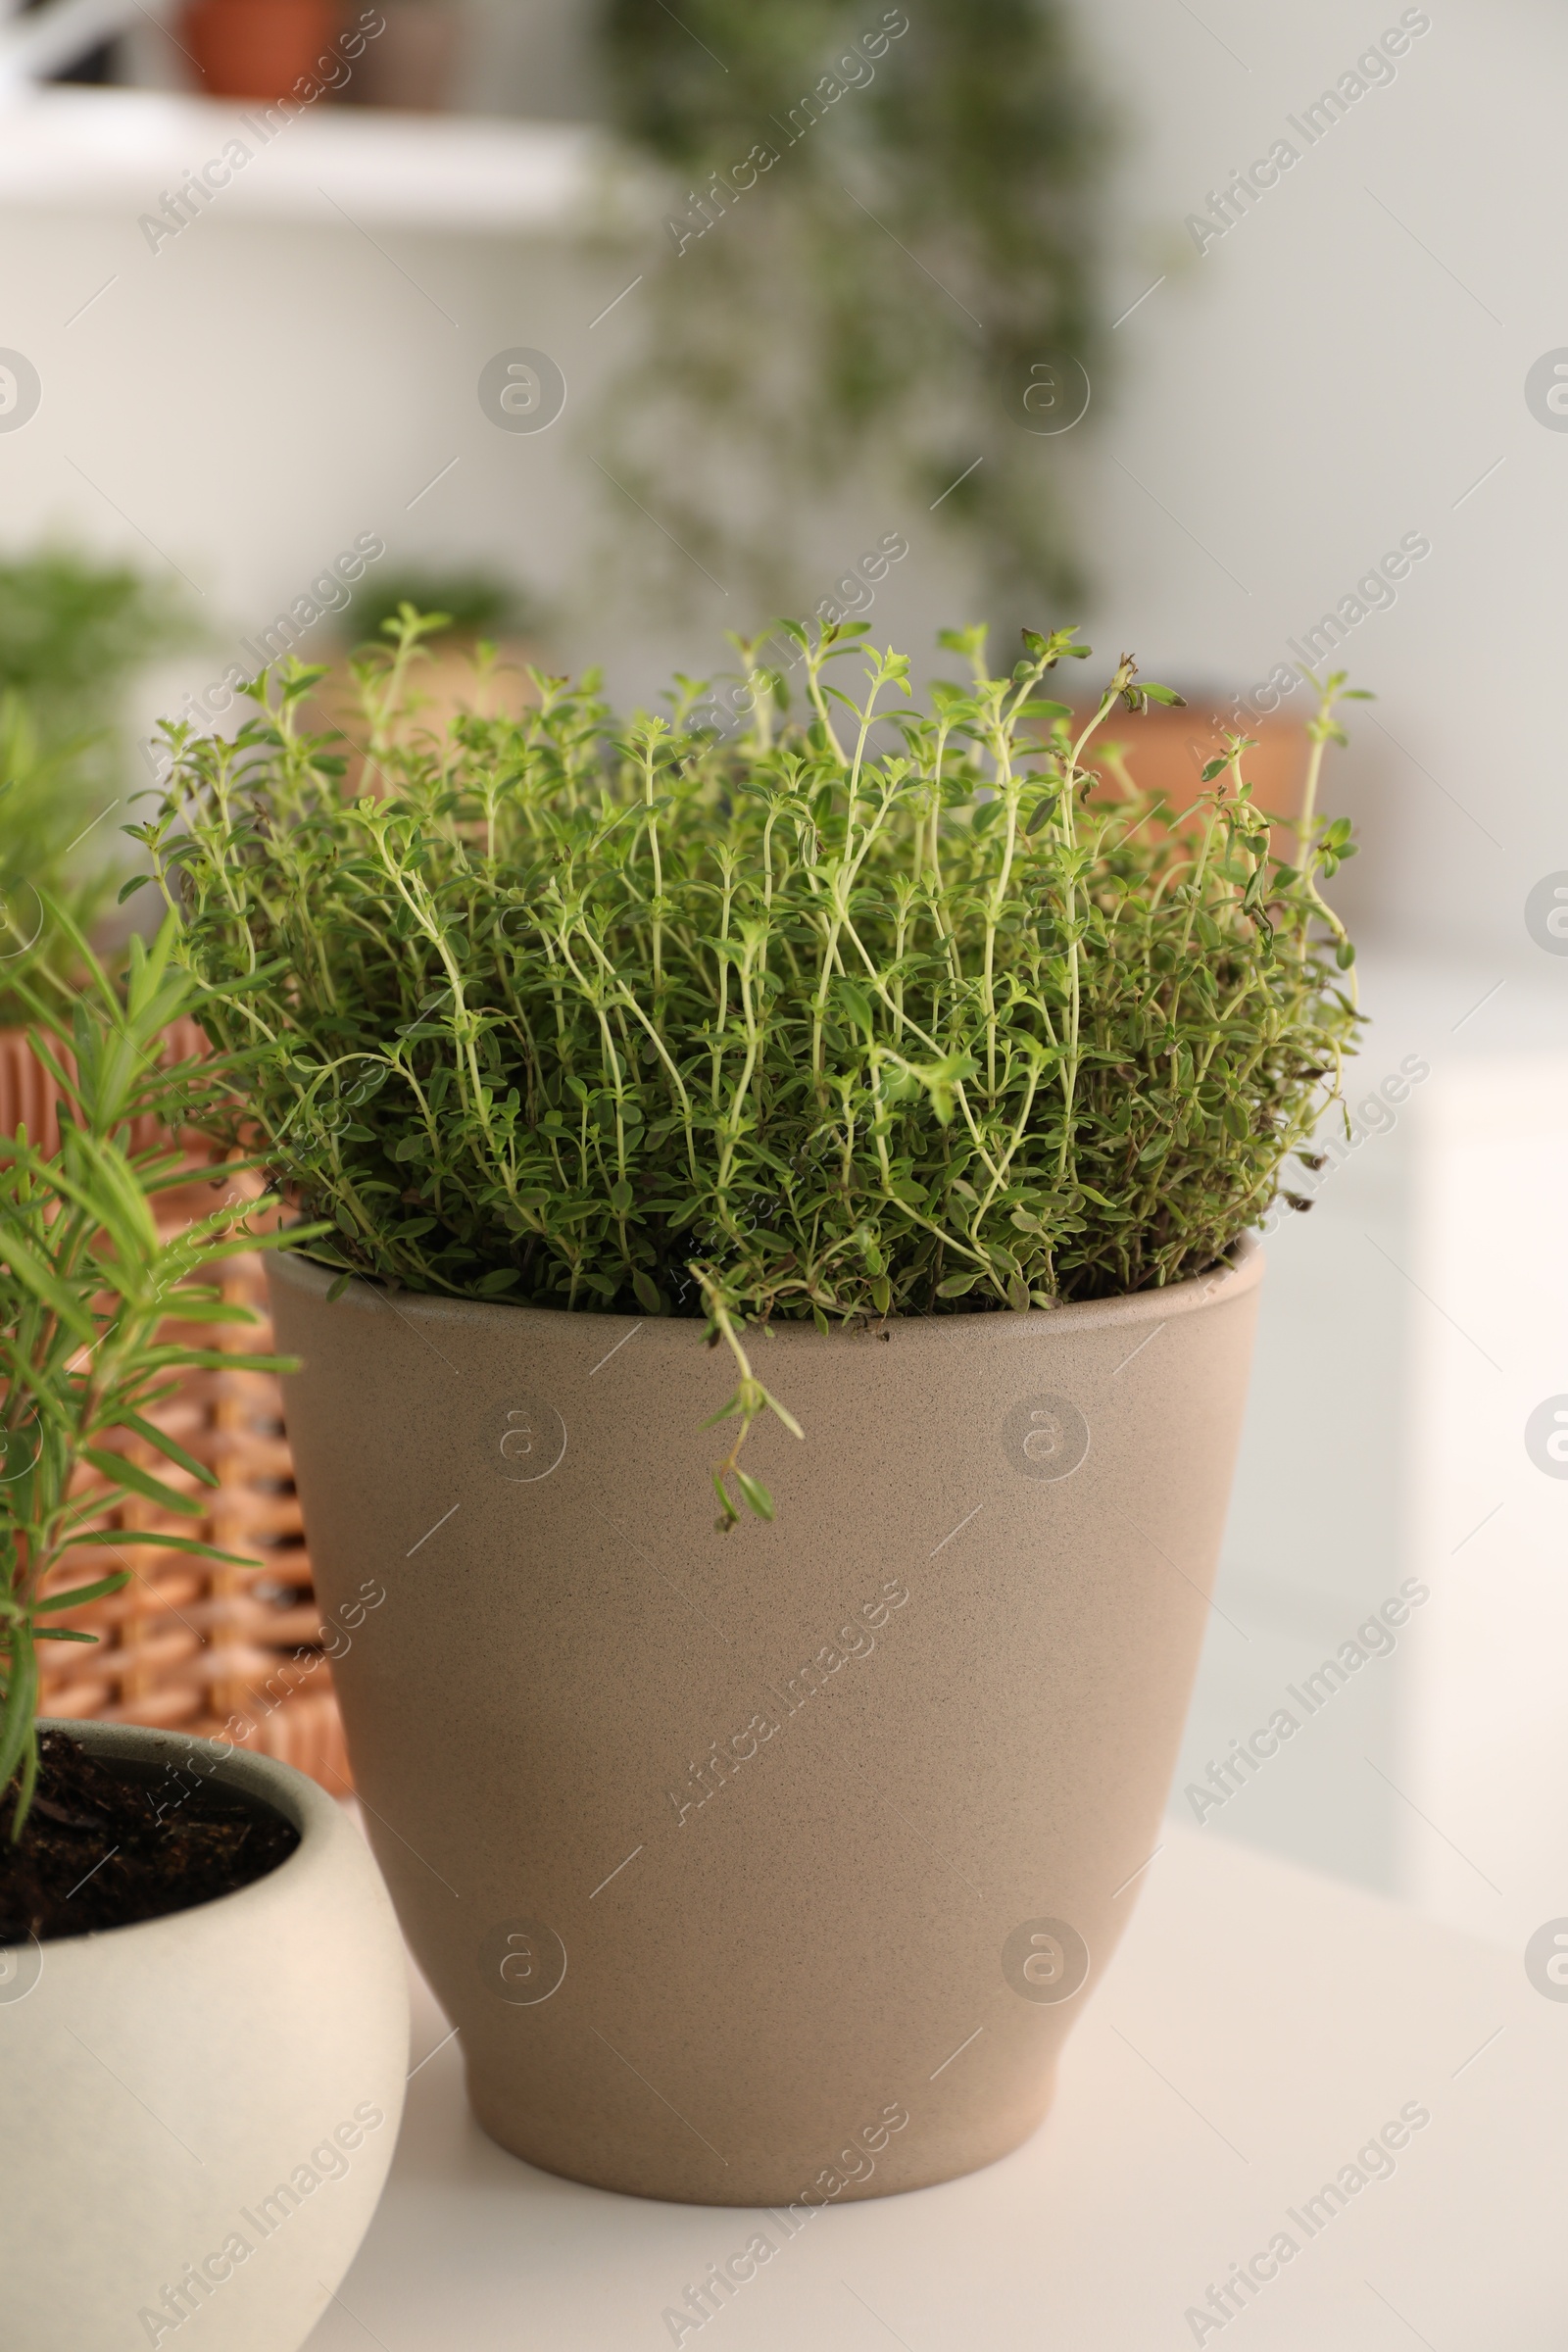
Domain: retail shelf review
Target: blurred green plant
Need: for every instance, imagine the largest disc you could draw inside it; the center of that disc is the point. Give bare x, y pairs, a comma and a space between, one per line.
42, 817
881, 233
73, 631
878, 1012
99, 1313
474, 604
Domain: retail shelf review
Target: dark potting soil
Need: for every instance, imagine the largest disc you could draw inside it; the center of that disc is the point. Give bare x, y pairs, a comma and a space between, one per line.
108, 1842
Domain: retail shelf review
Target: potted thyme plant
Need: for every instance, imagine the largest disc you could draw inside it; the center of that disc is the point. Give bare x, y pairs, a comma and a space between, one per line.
200, 1979
933, 1078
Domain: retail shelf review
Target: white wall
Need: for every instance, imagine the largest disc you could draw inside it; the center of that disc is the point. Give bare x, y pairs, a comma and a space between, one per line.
1324, 379
239, 404
1488, 1740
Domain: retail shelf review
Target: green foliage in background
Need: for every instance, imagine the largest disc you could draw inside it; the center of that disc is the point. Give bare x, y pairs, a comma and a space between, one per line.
73, 628
46, 796
72, 632
873, 1011
476, 603
874, 297
99, 1313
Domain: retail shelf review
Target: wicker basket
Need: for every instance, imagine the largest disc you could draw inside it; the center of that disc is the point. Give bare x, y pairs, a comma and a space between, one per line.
192, 1643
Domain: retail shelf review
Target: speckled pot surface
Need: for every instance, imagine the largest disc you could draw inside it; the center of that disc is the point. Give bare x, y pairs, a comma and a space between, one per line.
197, 2113
774, 1866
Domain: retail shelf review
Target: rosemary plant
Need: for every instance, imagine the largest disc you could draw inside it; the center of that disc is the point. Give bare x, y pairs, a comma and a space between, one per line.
875, 1011
96, 1312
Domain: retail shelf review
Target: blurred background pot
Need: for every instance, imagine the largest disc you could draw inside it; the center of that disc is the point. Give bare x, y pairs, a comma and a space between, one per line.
257, 48
751, 1838
449, 675
231, 2072
1166, 750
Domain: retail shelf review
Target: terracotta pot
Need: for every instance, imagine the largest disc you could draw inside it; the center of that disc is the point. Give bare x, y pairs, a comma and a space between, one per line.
442, 688
257, 48
748, 1864
1166, 750
231, 2072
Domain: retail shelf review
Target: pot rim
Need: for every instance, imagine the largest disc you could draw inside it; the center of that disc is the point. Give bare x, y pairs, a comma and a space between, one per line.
308, 1809
1230, 1280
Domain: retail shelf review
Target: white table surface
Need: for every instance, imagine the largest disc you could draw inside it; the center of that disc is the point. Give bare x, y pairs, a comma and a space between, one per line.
1257, 2028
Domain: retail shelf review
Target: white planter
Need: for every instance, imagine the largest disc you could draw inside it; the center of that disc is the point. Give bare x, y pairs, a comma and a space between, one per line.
197, 2113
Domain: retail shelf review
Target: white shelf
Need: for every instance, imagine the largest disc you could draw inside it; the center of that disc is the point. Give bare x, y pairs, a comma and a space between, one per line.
117, 151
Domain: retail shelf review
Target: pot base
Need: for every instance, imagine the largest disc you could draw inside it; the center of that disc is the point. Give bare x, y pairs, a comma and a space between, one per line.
931, 2159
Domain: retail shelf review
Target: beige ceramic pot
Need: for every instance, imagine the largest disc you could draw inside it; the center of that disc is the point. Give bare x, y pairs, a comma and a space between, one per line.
777, 1866
197, 2113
